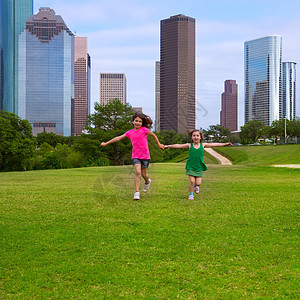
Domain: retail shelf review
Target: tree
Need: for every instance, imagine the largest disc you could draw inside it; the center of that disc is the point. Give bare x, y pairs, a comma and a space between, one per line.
217, 133
168, 137
108, 121
251, 131
17, 144
48, 137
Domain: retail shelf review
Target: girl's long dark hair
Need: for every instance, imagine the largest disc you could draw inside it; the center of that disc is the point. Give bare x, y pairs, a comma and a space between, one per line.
147, 122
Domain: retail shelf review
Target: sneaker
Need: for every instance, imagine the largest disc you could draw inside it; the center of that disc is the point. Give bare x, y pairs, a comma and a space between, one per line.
147, 186
136, 196
191, 197
196, 189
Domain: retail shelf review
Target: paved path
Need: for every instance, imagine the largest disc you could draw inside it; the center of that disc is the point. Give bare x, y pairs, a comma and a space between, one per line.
223, 160
288, 166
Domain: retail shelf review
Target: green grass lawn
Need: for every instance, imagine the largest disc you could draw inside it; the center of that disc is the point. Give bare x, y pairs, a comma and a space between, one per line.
78, 234
262, 155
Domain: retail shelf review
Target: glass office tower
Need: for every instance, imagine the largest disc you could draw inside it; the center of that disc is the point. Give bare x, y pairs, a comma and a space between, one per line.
263, 79
13, 15
289, 90
46, 73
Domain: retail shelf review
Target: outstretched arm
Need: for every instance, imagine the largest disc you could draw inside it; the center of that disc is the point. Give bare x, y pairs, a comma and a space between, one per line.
178, 146
115, 139
210, 145
161, 146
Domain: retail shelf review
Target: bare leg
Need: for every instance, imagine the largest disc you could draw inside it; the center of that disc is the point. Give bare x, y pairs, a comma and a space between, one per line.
191, 183
198, 181
145, 175
137, 177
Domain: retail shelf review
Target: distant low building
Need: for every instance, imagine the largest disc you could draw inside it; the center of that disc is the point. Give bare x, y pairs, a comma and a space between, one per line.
112, 86
137, 109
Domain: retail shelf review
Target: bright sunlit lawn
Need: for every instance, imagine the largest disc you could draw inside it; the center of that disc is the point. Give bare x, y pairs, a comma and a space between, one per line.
78, 234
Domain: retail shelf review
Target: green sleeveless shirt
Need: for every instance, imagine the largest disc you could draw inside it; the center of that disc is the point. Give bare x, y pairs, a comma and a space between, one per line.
195, 160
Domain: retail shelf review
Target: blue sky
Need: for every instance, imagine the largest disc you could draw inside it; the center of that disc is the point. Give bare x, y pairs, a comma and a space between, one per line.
123, 36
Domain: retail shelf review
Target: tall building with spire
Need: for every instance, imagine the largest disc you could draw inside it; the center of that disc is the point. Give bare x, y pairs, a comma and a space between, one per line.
46, 73
289, 90
13, 15
177, 73
229, 106
81, 101
263, 79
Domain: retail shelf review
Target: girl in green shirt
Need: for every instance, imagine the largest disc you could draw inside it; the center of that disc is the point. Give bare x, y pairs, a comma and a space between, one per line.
195, 165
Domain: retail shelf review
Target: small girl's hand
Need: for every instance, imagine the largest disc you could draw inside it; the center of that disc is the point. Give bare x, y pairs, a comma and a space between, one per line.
166, 147
103, 144
161, 146
229, 144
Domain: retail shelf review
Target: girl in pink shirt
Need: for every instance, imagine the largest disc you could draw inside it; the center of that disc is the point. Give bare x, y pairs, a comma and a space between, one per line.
140, 150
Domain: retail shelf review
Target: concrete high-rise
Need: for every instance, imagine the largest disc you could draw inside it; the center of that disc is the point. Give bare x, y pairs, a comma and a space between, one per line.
157, 96
112, 86
289, 90
13, 15
46, 73
229, 106
263, 79
81, 102
177, 73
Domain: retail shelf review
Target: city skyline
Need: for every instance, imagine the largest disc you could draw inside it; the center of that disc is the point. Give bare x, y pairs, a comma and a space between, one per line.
124, 37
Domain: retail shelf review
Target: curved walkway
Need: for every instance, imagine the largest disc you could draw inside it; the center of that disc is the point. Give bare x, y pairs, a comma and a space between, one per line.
223, 160
287, 166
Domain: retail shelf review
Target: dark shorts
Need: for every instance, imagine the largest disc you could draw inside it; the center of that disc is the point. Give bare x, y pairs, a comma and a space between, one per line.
143, 162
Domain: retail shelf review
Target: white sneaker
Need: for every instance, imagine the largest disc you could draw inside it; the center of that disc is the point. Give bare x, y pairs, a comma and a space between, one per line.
136, 196
196, 189
147, 186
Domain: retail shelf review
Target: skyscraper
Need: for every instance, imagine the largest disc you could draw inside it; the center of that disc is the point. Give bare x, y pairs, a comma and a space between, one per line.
46, 73
229, 106
112, 86
289, 90
263, 79
81, 102
177, 73
157, 96
13, 15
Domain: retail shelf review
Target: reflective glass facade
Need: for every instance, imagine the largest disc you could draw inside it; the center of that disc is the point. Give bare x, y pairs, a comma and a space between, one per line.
46, 72
13, 15
289, 90
263, 79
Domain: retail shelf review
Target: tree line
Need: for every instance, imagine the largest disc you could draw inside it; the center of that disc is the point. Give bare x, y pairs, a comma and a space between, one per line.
20, 150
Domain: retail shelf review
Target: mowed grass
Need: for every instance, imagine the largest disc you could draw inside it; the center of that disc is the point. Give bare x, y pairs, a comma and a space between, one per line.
262, 155
78, 234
